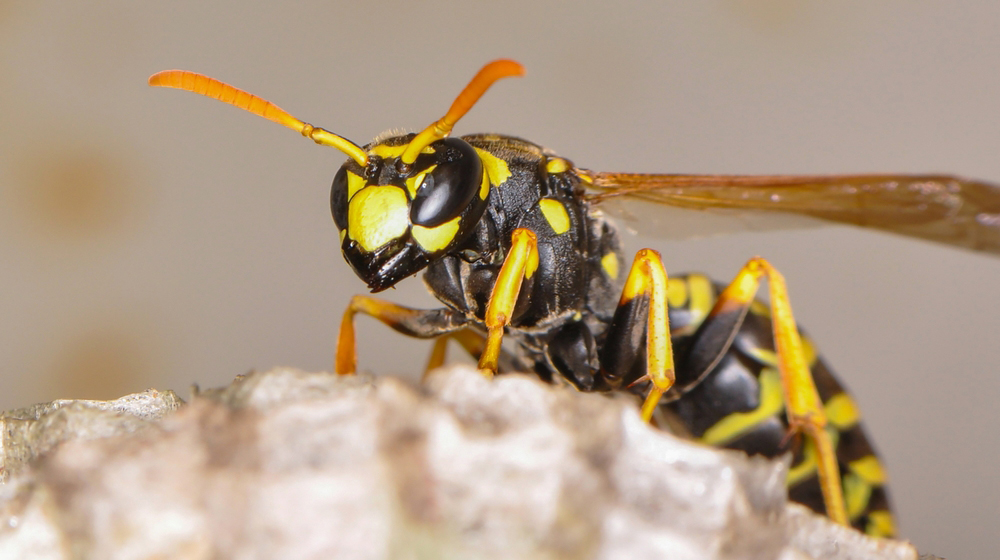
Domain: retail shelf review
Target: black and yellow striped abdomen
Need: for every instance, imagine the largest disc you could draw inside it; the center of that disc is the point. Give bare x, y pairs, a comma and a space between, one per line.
738, 404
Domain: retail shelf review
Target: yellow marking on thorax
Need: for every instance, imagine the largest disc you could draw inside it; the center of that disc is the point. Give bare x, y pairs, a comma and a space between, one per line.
555, 214
677, 292
496, 168
609, 262
737, 423
557, 165
377, 215
438, 237
841, 411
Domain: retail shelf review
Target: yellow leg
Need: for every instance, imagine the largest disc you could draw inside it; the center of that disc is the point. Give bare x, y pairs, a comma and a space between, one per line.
520, 263
647, 277
804, 407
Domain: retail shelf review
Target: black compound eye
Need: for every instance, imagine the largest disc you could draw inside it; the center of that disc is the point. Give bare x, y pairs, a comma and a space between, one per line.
338, 198
450, 187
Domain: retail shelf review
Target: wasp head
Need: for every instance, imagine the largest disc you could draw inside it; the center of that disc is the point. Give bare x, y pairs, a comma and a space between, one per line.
395, 218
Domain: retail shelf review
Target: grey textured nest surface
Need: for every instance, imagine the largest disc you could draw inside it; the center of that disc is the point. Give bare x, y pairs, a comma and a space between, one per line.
288, 464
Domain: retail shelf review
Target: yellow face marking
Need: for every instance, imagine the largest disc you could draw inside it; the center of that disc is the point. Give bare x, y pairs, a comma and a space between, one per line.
557, 165
609, 263
354, 184
771, 403
386, 152
413, 183
496, 168
841, 411
857, 492
701, 296
555, 214
438, 237
377, 215
869, 469
677, 292
880, 524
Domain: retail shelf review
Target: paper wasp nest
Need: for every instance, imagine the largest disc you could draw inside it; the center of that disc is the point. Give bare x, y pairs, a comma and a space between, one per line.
288, 464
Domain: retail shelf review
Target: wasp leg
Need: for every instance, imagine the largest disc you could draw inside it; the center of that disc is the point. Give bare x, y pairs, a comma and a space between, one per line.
419, 323
520, 263
473, 342
803, 404
645, 293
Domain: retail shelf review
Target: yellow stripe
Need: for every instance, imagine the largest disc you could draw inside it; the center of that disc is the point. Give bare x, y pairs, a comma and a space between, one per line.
807, 467
803, 470
484, 187
880, 524
808, 350
763, 355
555, 214
771, 403
769, 357
701, 296
841, 411
869, 469
677, 292
609, 263
857, 492
760, 308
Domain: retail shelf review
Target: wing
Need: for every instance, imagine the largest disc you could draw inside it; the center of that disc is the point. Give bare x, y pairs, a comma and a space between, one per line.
934, 207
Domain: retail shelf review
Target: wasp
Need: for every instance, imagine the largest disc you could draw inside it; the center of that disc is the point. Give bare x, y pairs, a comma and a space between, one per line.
513, 241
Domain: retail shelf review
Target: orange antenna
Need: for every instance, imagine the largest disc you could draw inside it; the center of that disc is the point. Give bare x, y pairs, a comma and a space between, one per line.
210, 87
486, 77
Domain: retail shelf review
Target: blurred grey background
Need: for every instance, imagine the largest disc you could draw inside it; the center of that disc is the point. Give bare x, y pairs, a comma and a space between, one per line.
152, 237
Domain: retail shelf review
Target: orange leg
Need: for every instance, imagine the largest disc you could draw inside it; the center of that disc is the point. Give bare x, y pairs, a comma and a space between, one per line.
520, 263
804, 407
419, 323
473, 342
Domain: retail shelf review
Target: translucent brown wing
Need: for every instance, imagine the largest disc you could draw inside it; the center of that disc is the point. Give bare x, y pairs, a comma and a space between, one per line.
935, 207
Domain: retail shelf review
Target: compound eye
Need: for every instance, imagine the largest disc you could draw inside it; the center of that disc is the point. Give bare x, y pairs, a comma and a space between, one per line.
450, 187
338, 198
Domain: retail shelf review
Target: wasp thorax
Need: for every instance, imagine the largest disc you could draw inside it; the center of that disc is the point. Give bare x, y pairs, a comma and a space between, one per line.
395, 218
